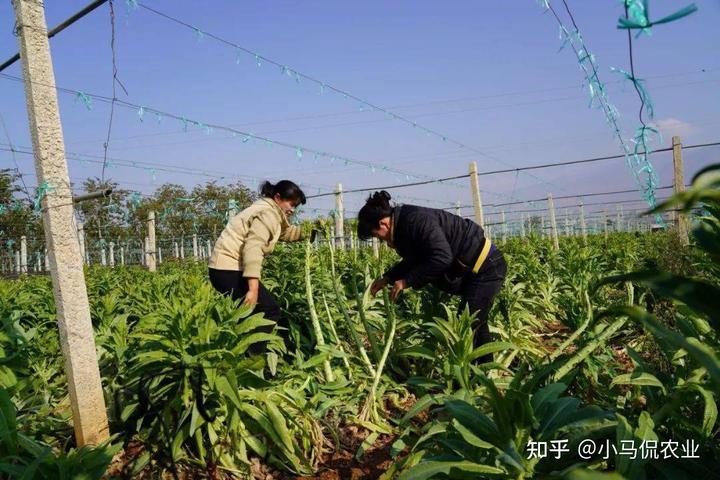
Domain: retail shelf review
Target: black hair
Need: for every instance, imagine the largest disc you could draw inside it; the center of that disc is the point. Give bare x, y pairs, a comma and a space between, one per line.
286, 189
376, 207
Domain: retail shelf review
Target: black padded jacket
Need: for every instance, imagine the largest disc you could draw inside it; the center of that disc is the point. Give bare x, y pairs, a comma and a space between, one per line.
436, 246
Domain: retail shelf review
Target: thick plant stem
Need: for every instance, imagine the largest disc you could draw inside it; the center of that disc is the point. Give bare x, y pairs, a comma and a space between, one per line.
313, 313
361, 313
589, 348
331, 323
370, 408
346, 315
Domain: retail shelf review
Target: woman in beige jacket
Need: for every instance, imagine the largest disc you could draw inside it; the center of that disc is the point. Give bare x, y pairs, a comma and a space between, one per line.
237, 258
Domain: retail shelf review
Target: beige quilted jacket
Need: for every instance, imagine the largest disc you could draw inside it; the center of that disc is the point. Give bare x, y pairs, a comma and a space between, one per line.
250, 235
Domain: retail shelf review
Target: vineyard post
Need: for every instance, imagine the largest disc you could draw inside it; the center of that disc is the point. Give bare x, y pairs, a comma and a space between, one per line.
583, 228
182, 248
679, 186
38, 263
376, 247
151, 243
195, 246
457, 208
477, 201
112, 254
208, 246
47, 261
145, 250
23, 255
339, 218
553, 223
177, 250
618, 218
522, 224
159, 250
542, 226
68, 277
122, 255
81, 241
17, 262
103, 256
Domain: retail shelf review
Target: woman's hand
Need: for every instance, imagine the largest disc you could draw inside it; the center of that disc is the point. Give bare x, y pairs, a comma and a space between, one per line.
251, 297
378, 285
398, 287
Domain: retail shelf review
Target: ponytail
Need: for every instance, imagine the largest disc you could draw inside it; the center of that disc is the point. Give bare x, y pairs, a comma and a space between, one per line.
285, 188
376, 207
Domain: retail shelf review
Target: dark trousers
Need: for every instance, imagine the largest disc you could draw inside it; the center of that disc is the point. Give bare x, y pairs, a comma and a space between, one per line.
232, 283
478, 291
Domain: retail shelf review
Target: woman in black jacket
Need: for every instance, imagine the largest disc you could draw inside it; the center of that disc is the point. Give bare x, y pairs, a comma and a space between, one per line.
440, 248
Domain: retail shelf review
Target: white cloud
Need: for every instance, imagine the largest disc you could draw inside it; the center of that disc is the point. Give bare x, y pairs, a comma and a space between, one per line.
672, 126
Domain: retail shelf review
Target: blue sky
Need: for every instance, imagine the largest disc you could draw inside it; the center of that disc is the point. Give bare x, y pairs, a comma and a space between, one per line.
488, 74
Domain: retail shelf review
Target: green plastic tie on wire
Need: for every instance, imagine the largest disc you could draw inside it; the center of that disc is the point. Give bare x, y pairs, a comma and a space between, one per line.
3, 209
41, 193
130, 5
257, 60
639, 84
185, 124
85, 99
10, 244
299, 153
199, 35
159, 118
638, 18
141, 113
134, 200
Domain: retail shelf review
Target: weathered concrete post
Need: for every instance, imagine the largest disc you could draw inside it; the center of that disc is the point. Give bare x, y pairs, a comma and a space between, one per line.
122, 255
151, 243
81, 241
339, 218
553, 223
159, 255
177, 250
73, 309
679, 186
477, 200
195, 246
112, 254
23, 255
583, 228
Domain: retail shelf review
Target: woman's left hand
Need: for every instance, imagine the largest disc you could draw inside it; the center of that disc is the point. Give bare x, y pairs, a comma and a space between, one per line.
398, 287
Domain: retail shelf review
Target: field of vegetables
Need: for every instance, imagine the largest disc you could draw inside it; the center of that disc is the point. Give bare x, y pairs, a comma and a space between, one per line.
584, 349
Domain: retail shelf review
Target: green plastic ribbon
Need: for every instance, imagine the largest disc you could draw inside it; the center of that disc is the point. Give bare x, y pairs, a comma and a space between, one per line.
41, 193
639, 85
638, 16
85, 99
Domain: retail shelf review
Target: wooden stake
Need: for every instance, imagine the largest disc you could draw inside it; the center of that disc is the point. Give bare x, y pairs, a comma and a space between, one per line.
679, 186
68, 278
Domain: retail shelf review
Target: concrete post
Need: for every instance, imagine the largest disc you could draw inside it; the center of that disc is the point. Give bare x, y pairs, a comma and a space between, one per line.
583, 228
23, 255
618, 218
18, 262
477, 200
81, 241
68, 278
122, 255
504, 225
151, 243
159, 255
522, 224
208, 246
376, 247
195, 246
679, 186
457, 208
553, 223
47, 261
177, 250
182, 248
112, 254
339, 218
103, 256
